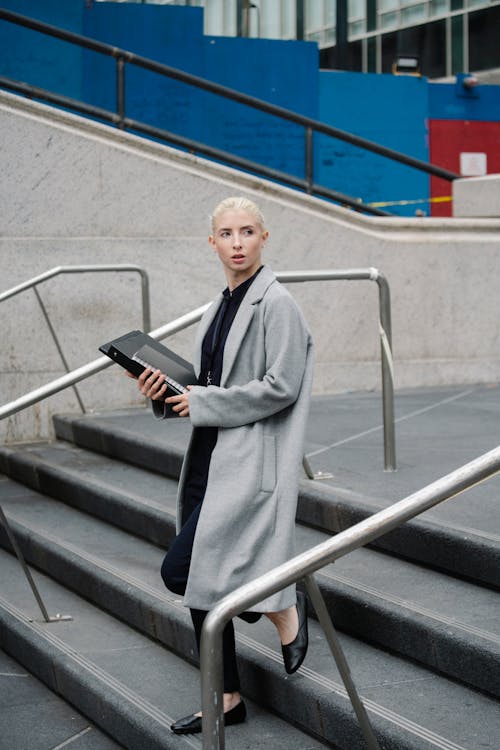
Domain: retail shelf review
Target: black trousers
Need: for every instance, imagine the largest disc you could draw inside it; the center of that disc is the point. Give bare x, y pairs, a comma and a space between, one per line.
175, 571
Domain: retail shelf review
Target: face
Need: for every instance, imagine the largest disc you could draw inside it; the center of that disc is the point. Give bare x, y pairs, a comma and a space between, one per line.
238, 240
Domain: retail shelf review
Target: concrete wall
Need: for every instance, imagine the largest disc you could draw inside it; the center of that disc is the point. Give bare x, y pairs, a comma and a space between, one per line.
74, 191
477, 196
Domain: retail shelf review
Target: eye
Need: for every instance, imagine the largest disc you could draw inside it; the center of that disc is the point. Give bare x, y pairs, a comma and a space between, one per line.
248, 231
224, 234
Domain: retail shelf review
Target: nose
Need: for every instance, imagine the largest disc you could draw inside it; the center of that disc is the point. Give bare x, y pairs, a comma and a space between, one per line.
236, 240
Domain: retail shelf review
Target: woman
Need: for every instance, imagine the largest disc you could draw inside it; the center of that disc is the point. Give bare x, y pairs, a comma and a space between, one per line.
239, 481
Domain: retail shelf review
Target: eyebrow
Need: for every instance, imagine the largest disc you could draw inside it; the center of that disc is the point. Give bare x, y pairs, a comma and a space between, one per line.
229, 229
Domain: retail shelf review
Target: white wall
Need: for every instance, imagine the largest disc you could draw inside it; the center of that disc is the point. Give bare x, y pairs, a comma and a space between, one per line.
74, 191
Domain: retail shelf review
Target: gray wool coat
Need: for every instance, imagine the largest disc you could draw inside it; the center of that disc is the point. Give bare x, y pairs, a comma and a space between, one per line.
247, 520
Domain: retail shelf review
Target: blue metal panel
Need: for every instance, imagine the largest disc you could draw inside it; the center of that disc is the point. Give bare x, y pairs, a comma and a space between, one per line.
282, 73
31, 57
451, 101
390, 110
166, 33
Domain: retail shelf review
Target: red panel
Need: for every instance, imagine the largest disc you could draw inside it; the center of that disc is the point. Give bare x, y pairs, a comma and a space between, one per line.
448, 139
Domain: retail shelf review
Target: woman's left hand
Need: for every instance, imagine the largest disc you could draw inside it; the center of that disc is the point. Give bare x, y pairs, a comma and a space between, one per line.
180, 403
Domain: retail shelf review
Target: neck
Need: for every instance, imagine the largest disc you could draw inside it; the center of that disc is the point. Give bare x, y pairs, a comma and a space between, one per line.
235, 278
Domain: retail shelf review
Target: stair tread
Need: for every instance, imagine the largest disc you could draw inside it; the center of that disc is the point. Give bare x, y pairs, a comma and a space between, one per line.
424, 453
418, 590
146, 676
405, 692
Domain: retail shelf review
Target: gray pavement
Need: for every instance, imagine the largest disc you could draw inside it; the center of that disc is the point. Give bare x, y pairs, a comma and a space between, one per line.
437, 431
32, 717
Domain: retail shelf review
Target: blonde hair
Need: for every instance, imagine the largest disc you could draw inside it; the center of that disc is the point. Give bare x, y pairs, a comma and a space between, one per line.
237, 203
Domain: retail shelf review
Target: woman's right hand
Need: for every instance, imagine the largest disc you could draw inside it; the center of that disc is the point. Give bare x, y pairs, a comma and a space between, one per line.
151, 384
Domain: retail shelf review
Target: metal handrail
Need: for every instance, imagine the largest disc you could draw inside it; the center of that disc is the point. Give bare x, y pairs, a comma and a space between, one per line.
371, 274
385, 331
310, 124
191, 145
91, 368
102, 268
302, 567
33, 283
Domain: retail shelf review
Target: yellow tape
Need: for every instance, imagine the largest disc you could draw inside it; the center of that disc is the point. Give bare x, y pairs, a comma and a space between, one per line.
439, 199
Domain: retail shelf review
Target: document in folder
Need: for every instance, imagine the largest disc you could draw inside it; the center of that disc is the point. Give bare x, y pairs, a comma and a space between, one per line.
136, 350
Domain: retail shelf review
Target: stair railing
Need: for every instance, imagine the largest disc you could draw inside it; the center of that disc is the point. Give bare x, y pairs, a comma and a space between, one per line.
309, 124
356, 274
97, 365
302, 567
57, 271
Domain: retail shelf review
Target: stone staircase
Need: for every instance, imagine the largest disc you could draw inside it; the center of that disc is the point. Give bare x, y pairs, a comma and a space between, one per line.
94, 511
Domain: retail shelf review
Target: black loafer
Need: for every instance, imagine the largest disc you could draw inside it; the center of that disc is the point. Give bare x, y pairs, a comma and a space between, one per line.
192, 724
294, 653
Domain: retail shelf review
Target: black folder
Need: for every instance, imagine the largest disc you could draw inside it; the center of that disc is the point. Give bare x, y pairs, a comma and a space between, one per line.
135, 351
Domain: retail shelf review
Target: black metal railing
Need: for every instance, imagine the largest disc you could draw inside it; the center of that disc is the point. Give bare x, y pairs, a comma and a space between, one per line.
119, 118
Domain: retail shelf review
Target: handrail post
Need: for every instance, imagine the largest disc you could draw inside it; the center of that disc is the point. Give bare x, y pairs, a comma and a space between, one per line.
146, 309
120, 90
211, 668
342, 665
58, 345
309, 159
385, 325
27, 573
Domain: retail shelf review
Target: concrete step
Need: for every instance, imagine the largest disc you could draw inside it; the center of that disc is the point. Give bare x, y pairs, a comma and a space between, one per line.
132, 436
410, 707
127, 684
447, 624
34, 718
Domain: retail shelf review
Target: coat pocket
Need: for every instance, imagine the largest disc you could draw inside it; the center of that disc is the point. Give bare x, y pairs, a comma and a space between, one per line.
269, 463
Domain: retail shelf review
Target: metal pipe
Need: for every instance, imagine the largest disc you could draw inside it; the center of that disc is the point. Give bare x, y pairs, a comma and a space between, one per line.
387, 372
308, 562
341, 661
309, 159
22, 561
58, 346
385, 332
103, 268
215, 88
93, 367
193, 147
120, 91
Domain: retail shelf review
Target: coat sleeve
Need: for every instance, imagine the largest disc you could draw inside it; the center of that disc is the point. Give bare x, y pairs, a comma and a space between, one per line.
287, 341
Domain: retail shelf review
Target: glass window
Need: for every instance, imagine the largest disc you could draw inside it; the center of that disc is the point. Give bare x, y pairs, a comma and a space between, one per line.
385, 5
389, 20
314, 12
356, 28
484, 50
438, 7
414, 13
330, 36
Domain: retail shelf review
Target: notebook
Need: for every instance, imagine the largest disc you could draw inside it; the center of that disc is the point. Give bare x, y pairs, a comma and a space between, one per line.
135, 351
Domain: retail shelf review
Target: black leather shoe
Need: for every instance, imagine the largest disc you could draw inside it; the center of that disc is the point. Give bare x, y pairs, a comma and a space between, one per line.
294, 653
192, 724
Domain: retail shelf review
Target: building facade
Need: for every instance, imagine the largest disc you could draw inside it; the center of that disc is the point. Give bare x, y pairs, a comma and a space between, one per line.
445, 36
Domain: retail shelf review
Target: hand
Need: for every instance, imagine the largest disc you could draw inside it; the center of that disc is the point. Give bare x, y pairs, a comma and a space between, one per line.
180, 403
152, 384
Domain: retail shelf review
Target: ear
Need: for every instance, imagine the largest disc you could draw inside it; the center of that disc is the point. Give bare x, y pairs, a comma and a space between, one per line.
265, 235
211, 242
